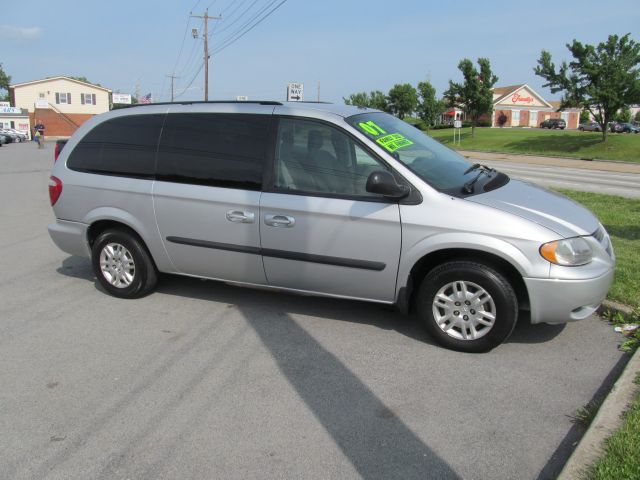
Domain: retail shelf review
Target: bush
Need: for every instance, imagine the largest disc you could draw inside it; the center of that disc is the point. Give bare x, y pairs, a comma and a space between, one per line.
441, 127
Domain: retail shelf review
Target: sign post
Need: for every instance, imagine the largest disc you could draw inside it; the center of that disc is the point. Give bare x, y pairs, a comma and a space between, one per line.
457, 126
295, 92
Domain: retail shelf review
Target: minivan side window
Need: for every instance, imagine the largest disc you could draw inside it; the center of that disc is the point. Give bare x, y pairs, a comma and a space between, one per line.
314, 157
214, 149
123, 146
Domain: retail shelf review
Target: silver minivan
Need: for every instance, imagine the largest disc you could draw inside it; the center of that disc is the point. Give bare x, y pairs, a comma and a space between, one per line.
322, 199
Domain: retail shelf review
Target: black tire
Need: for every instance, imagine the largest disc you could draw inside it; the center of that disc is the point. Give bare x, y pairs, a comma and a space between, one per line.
145, 273
489, 279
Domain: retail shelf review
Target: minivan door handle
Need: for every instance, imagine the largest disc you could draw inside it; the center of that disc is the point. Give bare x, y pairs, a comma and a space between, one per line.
238, 216
279, 220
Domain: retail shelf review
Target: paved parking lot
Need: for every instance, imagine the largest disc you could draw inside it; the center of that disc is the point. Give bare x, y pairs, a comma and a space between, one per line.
205, 380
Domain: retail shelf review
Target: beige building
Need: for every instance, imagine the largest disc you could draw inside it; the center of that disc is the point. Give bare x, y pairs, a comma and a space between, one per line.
62, 104
521, 106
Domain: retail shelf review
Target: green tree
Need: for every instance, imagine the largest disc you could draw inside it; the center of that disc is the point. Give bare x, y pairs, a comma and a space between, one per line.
601, 78
376, 99
623, 115
360, 99
475, 94
5, 81
379, 101
585, 116
403, 99
429, 107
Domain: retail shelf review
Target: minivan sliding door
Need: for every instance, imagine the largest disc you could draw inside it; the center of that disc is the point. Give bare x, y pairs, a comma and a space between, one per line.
207, 193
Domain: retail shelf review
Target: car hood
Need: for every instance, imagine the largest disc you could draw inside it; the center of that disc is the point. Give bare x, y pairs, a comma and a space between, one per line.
544, 207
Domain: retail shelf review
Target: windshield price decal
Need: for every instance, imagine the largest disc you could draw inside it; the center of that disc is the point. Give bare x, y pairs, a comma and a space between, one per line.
390, 142
372, 128
394, 141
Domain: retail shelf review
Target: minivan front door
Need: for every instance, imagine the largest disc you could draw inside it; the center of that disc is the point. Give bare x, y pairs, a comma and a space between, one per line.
320, 230
207, 193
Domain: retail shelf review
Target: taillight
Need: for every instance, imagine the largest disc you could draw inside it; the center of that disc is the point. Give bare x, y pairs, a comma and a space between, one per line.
55, 189
56, 152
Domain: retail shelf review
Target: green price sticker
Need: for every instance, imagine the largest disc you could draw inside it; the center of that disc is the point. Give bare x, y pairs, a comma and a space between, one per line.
394, 141
372, 128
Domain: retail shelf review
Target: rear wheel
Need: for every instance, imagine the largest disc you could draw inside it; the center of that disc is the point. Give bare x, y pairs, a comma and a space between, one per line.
467, 306
122, 264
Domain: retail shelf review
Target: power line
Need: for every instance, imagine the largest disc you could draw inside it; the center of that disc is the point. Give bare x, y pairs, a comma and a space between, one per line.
228, 26
191, 82
232, 41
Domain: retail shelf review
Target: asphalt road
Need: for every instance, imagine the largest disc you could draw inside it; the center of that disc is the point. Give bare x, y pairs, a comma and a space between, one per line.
598, 181
205, 380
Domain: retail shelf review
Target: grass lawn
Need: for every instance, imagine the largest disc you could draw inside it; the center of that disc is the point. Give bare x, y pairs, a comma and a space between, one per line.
622, 451
621, 218
558, 143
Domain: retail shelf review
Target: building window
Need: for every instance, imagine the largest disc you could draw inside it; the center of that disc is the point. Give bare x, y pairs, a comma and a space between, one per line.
88, 98
63, 97
41, 95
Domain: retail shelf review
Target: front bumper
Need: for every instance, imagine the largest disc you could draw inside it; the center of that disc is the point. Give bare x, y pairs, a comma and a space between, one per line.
70, 237
561, 301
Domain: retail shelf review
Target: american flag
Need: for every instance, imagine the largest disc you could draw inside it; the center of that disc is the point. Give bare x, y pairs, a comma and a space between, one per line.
145, 99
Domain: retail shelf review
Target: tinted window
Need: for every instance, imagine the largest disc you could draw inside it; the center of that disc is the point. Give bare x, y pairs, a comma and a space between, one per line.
314, 157
121, 146
223, 150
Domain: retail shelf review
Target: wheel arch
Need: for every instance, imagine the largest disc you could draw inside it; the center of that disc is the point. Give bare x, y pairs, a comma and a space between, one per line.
408, 289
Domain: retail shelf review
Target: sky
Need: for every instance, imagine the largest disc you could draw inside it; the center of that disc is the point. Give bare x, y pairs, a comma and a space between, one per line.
347, 46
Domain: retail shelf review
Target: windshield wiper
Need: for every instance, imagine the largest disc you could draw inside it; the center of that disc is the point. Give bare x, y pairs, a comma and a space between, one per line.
468, 187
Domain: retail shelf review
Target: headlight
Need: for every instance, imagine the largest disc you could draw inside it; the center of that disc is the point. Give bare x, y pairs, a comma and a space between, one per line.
570, 252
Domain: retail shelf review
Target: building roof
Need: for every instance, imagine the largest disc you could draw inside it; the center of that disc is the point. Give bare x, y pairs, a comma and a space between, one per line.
44, 80
504, 92
556, 106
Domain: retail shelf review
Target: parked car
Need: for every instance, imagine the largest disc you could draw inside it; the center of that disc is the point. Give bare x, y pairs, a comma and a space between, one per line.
630, 128
590, 127
4, 139
12, 137
554, 123
329, 200
21, 135
615, 127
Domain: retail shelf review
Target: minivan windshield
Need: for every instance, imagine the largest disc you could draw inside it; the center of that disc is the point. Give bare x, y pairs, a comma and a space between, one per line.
436, 164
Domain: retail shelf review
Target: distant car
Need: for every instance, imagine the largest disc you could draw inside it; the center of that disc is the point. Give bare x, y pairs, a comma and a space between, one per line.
21, 135
11, 137
630, 128
554, 123
590, 127
615, 127
3, 139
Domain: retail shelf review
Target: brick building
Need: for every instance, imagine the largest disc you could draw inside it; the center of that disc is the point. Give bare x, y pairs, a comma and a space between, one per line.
61, 103
521, 106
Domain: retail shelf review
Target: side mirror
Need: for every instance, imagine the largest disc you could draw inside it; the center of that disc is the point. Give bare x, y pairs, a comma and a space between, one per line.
384, 183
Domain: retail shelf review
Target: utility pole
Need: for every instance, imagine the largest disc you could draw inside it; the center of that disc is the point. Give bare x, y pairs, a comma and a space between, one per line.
172, 77
206, 18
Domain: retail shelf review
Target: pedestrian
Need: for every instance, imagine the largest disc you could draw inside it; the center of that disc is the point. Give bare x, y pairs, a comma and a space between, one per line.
40, 130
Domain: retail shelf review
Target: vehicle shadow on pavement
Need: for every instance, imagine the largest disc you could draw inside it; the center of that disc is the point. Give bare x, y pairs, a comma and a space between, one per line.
382, 316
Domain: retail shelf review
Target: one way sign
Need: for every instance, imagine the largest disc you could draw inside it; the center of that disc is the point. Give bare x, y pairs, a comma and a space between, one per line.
295, 92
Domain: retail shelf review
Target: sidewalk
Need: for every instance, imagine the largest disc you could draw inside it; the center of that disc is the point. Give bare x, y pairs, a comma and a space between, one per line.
609, 166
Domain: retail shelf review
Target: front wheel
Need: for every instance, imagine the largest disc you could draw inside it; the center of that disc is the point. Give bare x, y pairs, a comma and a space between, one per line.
467, 306
122, 264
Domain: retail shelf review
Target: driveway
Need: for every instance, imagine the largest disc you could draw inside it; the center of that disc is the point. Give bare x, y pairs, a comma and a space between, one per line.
206, 380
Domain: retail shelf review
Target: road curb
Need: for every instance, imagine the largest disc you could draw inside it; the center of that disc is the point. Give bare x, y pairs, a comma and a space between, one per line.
606, 422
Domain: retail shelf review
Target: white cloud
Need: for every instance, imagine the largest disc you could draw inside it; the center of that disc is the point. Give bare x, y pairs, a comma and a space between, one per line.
11, 32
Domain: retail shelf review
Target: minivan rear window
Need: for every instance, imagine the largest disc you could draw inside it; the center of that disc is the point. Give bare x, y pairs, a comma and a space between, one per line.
214, 149
123, 146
